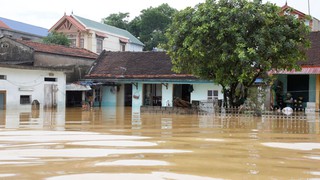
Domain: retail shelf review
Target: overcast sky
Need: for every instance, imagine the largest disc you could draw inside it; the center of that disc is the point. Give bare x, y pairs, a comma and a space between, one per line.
46, 13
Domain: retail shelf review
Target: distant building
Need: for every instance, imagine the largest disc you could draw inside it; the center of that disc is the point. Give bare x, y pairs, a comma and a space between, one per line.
95, 36
312, 22
19, 30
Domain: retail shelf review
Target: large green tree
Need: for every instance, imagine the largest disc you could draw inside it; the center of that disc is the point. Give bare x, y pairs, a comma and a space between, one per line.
119, 20
235, 41
150, 26
56, 38
153, 25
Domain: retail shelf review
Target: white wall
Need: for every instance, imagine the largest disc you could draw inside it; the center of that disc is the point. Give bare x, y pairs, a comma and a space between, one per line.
30, 82
200, 91
137, 95
109, 96
167, 95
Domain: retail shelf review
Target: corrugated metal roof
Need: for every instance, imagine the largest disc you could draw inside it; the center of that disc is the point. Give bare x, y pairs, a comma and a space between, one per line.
304, 70
23, 27
107, 28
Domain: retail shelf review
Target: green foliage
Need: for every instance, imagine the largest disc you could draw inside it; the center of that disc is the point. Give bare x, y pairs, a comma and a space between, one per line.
119, 20
234, 42
149, 27
56, 38
152, 24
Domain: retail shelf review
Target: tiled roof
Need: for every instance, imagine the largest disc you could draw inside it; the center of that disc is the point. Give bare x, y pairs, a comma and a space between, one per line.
313, 54
134, 65
59, 49
107, 28
23, 27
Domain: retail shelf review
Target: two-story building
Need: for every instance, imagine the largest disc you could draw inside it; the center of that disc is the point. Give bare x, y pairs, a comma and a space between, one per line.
95, 36
310, 21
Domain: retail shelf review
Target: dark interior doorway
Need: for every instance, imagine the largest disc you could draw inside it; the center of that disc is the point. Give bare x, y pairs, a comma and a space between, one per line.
298, 86
128, 95
182, 91
74, 98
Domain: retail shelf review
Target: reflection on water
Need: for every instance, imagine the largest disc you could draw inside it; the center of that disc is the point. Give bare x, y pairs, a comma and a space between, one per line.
122, 143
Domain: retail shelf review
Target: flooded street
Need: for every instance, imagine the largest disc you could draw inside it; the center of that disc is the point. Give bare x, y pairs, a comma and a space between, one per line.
121, 143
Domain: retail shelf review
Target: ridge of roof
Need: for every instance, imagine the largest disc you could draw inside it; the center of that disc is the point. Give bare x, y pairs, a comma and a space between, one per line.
135, 65
107, 28
24, 27
58, 49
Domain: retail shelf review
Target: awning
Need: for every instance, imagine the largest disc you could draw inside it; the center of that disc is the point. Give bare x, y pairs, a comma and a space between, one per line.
77, 87
304, 70
101, 34
123, 40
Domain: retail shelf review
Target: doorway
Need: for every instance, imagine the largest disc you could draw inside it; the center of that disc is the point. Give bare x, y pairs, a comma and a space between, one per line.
298, 86
2, 100
182, 91
128, 95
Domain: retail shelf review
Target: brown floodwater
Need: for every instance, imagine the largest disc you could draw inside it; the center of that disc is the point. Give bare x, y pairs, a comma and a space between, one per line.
122, 143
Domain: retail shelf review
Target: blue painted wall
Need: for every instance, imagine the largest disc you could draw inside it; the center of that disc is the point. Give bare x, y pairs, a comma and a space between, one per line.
312, 88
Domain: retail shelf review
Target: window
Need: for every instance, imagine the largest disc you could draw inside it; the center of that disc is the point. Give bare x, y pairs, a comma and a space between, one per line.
3, 77
99, 45
25, 99
50, 79
213, 95
73, 43
122, 47
81, 43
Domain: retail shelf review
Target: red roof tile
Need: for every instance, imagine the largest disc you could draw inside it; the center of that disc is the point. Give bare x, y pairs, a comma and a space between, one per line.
313, 54
134, 65
3, 25
59, 49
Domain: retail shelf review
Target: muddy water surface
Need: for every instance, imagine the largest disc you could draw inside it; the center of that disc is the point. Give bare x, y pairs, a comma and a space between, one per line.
121, 143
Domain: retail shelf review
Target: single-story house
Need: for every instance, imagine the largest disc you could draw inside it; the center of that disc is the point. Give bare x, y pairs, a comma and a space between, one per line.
22, 86
303, 85
33, 55
145, 79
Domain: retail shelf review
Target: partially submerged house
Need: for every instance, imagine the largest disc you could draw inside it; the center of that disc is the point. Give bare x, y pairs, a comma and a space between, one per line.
304, 84
22, 86
35, 64
20, 30
96, 36
145, 79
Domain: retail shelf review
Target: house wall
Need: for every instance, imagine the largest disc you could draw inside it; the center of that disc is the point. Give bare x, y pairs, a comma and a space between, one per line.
167, 95
117, 99
312, 88
134, 47
20, 35
30, 82
109, 96
200, 91
120, 95
80, 65
13, 52
137, 93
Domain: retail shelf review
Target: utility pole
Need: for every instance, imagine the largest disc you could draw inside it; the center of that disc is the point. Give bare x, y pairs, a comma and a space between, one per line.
309, 7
